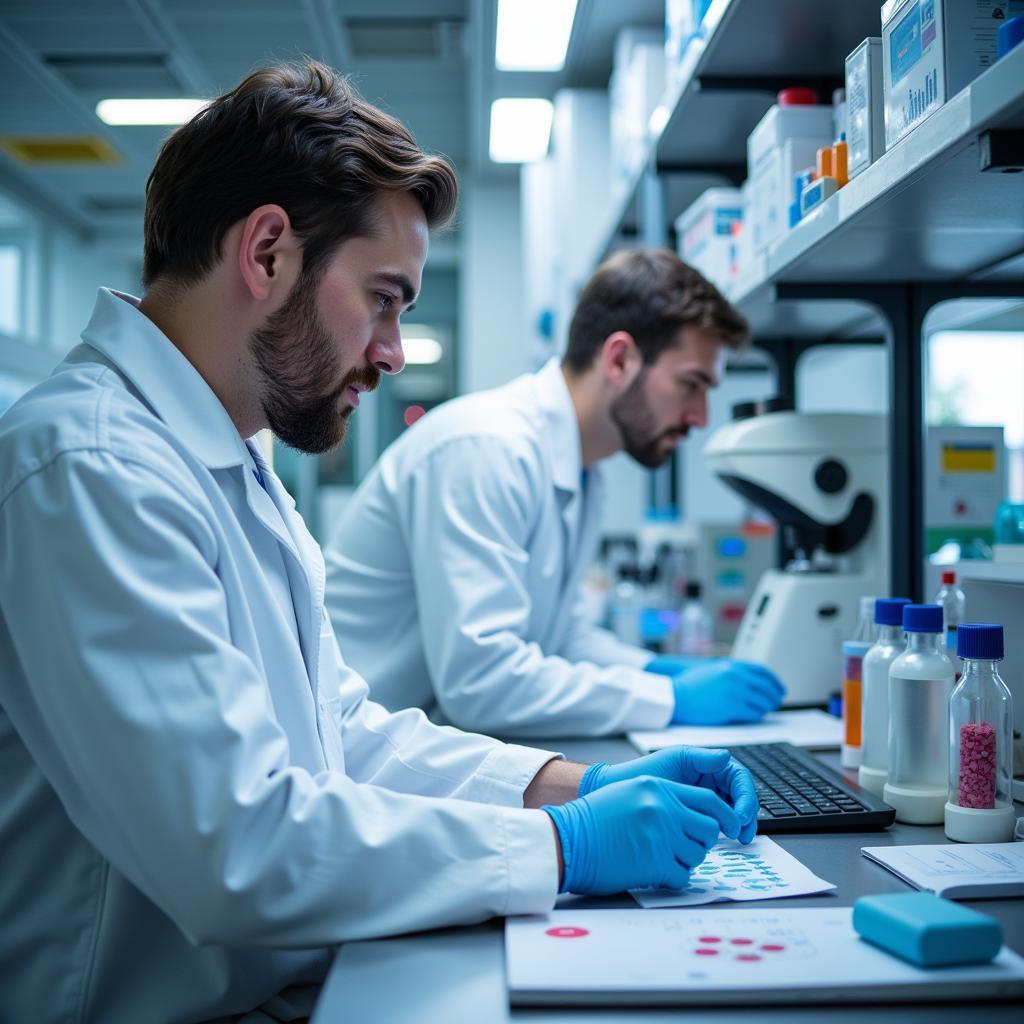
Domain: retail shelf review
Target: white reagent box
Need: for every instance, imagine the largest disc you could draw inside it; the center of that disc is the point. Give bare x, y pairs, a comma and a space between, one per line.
704, 233
865, 110
931, 50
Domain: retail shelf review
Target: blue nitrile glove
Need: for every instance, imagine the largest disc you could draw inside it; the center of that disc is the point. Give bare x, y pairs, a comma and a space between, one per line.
724, 690
672, 664
707, 768
638, 834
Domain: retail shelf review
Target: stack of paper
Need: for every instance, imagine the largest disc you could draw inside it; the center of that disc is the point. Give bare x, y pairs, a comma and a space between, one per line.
812, 729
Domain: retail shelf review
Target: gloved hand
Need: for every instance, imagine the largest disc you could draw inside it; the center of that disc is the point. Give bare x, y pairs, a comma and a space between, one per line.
641, 833
711, 769
672, 664
724, 690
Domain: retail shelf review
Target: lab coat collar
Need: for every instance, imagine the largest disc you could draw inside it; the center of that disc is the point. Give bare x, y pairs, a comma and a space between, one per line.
171, 385
563, 432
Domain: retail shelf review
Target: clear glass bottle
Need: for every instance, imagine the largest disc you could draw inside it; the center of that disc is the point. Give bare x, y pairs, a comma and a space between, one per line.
695, 627
920, 682
954, 608
874, 732
980, 804
853, 656
626, 605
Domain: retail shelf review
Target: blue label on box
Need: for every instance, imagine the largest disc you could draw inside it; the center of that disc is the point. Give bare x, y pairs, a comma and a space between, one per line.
905, 43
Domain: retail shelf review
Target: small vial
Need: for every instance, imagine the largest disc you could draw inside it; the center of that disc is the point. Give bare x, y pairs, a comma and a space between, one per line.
695, 626
954, 604
920, 684
853, 656
980, 808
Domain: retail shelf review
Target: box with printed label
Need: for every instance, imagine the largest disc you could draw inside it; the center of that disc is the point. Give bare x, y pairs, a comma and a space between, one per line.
865, 117
705, 236
931, 49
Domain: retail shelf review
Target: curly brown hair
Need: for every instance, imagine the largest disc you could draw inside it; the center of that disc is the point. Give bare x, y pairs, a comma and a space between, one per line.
296, 135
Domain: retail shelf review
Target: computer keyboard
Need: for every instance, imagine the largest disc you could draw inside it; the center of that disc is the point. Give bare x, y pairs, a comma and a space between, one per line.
798, 793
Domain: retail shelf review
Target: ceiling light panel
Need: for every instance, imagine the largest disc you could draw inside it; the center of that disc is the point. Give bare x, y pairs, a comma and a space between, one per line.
533, 35
148, 111
520, 130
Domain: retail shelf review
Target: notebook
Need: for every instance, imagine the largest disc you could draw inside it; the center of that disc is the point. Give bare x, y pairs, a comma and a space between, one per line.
738, 957
958, 872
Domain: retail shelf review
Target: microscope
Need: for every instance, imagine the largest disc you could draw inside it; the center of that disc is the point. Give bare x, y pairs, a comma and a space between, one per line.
824, 478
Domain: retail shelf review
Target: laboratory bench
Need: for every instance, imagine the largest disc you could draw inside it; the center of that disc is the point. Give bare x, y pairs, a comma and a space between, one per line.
458, 974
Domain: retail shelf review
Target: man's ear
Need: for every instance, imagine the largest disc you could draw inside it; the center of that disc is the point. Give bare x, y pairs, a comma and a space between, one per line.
620, 359
269, 257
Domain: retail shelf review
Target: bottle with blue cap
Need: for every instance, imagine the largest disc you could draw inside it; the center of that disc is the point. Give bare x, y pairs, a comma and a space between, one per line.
920, 684
980, 807
874, 733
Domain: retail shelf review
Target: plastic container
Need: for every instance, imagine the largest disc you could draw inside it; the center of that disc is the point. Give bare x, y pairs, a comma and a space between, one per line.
954, 607
853, 657
920, 683
695, 626
980, 804
874, 733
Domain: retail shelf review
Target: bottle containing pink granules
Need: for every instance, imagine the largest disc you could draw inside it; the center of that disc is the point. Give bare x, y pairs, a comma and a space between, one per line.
980, 808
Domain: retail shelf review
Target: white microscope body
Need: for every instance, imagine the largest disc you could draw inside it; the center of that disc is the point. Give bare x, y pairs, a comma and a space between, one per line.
824, 477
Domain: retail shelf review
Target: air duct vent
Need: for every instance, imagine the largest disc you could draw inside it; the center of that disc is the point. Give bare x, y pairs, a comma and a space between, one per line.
439, 39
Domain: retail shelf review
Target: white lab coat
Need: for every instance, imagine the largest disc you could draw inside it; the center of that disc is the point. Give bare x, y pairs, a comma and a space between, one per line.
453, 574
198, 800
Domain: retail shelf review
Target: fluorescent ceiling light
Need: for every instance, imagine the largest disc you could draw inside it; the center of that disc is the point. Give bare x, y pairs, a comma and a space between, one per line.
520, 130
148, 111
533, 35
421, 351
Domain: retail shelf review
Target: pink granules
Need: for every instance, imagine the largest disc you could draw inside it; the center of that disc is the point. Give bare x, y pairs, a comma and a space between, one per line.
977, 783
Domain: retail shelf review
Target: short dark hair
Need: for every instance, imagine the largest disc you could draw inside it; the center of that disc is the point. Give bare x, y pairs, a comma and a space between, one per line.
652, 294
296, 135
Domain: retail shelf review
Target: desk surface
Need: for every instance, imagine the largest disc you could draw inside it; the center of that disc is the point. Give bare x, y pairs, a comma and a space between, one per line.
458, 974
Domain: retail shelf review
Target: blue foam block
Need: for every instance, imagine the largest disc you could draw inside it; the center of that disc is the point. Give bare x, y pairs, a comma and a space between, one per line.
927, 930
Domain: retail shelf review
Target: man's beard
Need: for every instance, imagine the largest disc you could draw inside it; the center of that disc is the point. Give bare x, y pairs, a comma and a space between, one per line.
632, 415
295, 355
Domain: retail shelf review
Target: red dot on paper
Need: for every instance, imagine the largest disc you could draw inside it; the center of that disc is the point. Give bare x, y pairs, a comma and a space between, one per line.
704, 951
742, 942
709, 938
747, 956
772, 947
567, 932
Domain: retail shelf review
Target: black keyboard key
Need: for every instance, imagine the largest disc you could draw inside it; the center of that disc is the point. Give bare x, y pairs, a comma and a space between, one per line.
798, 793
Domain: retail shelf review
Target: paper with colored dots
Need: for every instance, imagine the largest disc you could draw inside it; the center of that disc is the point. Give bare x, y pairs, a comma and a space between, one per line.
726, 955
763, 870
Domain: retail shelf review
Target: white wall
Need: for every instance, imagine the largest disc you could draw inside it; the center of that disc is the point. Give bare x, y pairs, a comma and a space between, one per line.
841, 378
493, 324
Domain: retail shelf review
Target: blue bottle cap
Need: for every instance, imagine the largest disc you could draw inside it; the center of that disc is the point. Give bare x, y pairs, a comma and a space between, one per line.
922, 618
889, 610
1009, 35
979, 641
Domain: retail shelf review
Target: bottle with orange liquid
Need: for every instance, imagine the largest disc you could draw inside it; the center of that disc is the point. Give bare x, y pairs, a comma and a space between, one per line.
853, 658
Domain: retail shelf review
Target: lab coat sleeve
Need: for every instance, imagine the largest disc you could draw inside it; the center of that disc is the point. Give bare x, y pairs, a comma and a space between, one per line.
407, 752
468, 509
585, 640
158, 736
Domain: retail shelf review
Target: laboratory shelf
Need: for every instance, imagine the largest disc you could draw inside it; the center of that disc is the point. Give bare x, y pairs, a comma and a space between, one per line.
923, 212
728, 80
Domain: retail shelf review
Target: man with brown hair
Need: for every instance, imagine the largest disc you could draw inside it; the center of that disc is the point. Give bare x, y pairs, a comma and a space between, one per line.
199, 801
453, 573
